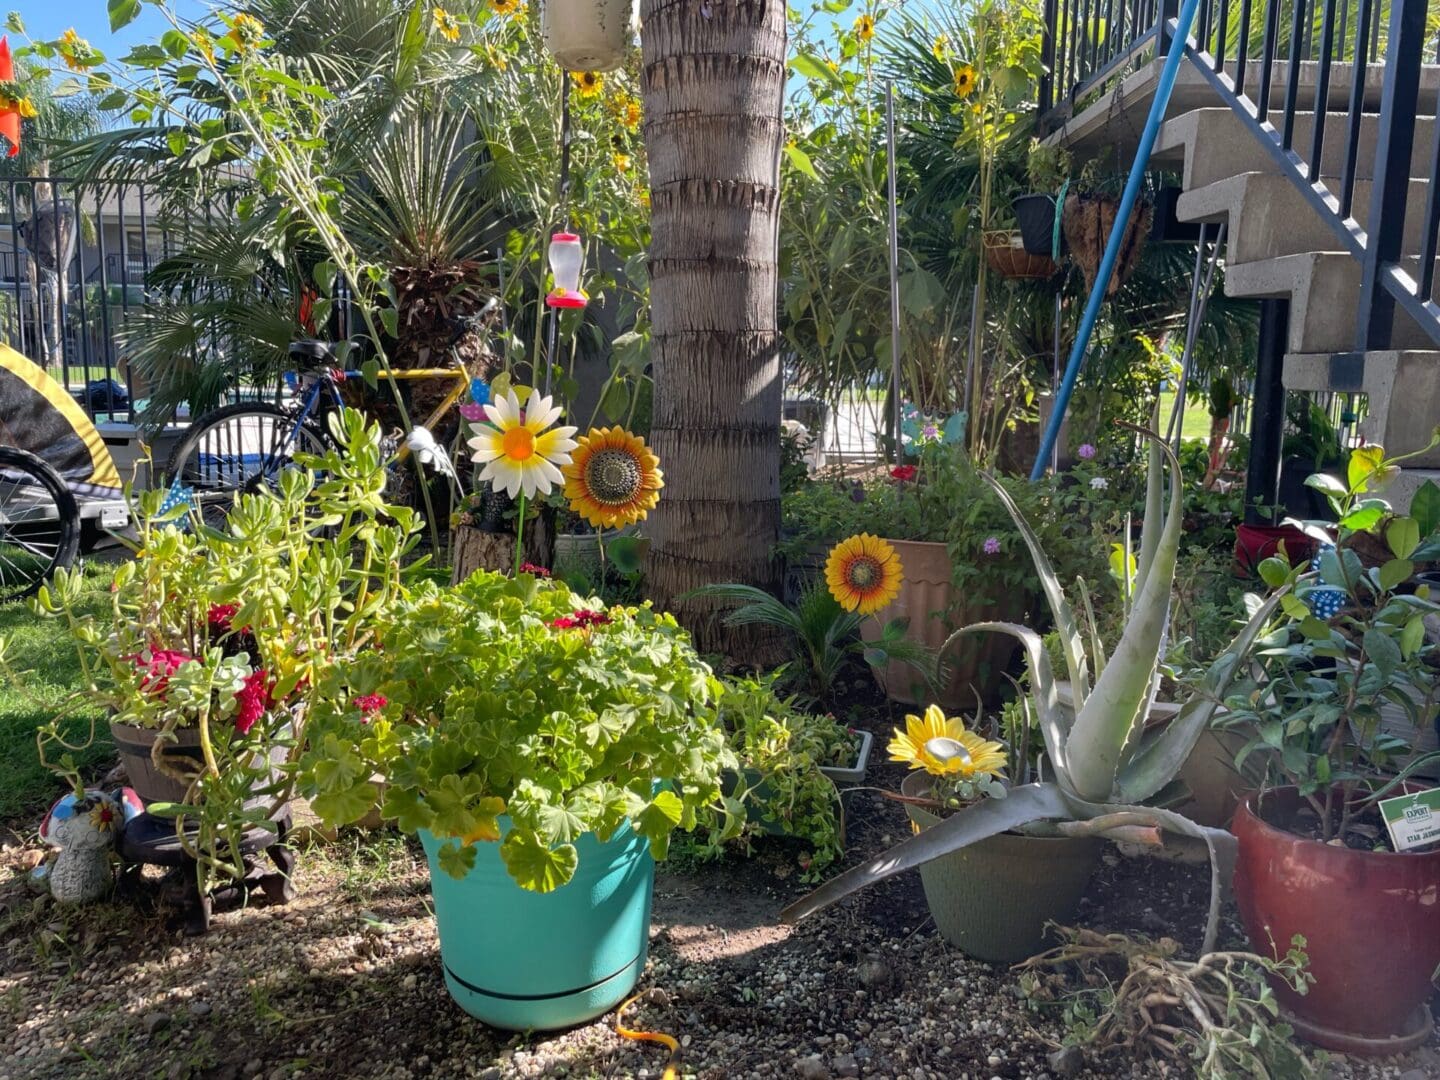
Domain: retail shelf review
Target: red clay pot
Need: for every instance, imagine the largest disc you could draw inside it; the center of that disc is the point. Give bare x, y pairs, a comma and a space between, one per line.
1371, 922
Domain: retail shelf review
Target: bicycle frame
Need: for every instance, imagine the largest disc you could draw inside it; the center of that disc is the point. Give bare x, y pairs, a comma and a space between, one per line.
326, 380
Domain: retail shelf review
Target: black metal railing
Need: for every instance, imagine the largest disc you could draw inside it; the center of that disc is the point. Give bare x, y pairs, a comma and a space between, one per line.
1295, 72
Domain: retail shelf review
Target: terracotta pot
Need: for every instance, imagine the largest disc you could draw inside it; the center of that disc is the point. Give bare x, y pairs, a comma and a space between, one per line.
1371, 923
926, 595
994, 899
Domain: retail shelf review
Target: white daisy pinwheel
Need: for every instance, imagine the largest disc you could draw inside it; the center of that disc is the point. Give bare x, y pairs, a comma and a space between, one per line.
520, 455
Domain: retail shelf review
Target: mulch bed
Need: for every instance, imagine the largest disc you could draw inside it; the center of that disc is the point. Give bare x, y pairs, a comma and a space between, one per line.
345, 981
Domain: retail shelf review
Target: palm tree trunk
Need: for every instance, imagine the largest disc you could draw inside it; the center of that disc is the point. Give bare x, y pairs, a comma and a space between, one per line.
714, 79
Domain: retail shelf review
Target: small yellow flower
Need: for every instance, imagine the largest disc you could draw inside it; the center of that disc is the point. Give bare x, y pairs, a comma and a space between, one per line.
245, 31
622, 163
509, 8
964, 80
865, 27
588, 83
446, 24
204, 42
940, 48
832, 65
76, 51
943, 747
26, 108
630, 114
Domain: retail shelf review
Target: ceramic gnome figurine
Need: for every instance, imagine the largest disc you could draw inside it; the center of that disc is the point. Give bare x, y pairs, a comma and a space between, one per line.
84, 830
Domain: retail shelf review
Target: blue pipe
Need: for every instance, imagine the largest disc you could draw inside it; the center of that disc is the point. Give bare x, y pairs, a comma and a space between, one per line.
1163, 89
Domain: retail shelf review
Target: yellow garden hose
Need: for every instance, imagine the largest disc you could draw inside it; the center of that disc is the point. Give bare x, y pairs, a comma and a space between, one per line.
648, 1036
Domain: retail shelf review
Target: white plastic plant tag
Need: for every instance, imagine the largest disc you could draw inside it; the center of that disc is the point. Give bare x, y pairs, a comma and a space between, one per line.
1413, 820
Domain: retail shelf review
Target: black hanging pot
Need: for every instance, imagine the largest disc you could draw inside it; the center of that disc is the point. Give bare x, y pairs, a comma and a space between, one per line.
1035, 217
1165, 227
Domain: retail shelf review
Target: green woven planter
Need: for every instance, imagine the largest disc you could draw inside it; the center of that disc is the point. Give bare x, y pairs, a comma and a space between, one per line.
993, 899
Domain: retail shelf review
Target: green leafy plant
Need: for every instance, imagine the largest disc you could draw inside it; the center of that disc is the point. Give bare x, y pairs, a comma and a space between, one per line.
1104, 763
780, 751
1349, 644
228, 632
825, 636
516, 696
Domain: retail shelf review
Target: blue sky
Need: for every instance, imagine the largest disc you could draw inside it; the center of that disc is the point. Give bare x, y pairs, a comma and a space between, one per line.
48, 19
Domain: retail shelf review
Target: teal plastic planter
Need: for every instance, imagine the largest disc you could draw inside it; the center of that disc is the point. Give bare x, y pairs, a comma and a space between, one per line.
537, 961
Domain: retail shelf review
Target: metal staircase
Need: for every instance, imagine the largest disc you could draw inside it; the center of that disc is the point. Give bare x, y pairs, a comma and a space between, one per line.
1309, 129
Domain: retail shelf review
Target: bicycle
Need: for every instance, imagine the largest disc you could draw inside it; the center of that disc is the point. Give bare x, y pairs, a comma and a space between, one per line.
244, 447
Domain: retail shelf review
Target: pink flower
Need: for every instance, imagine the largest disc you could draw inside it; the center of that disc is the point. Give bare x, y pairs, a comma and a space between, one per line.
219, 616
369, 705
991, 545
158, 665
1086, 451
255, 699
903, 473
531, 568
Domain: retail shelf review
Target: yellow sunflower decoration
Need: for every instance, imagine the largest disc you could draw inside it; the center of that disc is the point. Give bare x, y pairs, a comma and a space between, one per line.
521, 450
588, 83
863, 573
613, 480
865, 27
943, 747
446, 25
964, 80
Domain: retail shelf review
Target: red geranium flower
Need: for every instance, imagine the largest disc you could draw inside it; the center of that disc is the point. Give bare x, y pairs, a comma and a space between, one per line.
219, 617
158, 665
369, 705
255, 699
531, 568
586, 617
564, 622
903, 473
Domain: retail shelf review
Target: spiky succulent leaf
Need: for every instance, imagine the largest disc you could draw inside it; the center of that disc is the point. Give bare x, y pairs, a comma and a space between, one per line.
1065, 624
1104, 723
1154, 494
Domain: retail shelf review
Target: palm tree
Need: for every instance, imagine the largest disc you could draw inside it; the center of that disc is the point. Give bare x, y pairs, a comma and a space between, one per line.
713, 82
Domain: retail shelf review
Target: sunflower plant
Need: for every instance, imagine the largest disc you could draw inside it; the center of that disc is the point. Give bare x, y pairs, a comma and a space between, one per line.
515, 711
1107, 774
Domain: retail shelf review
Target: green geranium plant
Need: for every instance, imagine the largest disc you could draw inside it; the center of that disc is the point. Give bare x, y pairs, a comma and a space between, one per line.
514, 710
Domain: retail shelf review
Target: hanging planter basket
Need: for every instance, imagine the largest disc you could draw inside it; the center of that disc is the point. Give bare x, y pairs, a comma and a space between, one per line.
1087, 220
1006, 254
588, 35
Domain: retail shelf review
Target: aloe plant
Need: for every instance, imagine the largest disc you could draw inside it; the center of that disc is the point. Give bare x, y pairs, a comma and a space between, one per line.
1103, 763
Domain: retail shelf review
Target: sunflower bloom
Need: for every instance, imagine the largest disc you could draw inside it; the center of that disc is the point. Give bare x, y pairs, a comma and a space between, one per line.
940, 47
865, 27
76, 51
245, 31
614, 479
588, 83
622, 163
631, 115
863, 573
446, 25
943, 747
509, 8
205, 42
522, 452
964, 80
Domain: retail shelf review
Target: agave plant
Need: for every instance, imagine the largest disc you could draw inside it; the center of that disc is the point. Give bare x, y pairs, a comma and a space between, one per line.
1103, 763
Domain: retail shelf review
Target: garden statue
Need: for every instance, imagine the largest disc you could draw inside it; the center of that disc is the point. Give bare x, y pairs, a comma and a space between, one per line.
84, 829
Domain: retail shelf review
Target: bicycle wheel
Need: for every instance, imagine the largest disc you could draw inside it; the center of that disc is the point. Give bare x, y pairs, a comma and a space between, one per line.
237, 449
39, 523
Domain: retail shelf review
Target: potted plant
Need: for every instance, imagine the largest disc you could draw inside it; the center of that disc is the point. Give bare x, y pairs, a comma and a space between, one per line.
544, 748
1316, 857
1048, 169
1088, 217
1104, 765
588, 35
208, 654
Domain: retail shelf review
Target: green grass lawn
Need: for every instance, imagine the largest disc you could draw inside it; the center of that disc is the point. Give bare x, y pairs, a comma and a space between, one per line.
1196, 424
39, 649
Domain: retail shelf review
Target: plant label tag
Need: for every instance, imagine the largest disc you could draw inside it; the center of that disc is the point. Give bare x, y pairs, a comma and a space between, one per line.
1413, 820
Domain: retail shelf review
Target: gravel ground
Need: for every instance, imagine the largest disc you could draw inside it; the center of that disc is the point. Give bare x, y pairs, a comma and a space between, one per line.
345, 981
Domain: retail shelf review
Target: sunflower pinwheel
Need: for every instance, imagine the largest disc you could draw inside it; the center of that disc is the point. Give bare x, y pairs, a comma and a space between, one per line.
943, 747
863, 573
614, 480
522, 451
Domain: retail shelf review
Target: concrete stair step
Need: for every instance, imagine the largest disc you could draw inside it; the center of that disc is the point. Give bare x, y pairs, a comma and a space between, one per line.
1321, 287
1403, 488
1403, 387
1213, 144
1269, 216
